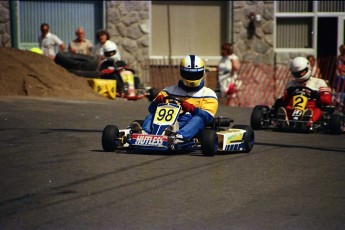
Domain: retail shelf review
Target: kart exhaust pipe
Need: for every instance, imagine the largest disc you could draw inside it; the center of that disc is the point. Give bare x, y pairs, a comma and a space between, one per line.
222, 122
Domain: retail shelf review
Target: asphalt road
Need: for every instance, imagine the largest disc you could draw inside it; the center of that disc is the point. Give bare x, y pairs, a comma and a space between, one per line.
54, 175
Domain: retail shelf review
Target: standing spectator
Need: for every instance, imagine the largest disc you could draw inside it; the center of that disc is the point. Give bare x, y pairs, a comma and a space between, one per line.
341, 61
103, 36
340, 78
227, 70
47, 42
80, 45
315, 70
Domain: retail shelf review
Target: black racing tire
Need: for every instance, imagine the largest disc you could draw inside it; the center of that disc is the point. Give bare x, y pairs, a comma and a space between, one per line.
152, 94
110, 137
336, 124
136, 82
257, 117
209, 144
249, 138
76, 61
83, 73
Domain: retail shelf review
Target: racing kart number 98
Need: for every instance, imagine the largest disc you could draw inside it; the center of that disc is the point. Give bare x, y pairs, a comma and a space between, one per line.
165, 115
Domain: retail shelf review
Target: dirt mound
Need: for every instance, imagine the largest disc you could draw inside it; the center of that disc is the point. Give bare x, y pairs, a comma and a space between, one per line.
31, 74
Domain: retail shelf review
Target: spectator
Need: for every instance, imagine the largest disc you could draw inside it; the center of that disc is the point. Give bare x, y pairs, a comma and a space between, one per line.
341, 61
340, 77
199, 103
80, 45
227, 70
103, 36
47, 42
315, 70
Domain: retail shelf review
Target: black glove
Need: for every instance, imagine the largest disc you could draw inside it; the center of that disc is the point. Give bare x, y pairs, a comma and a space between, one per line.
290, 90
315, 94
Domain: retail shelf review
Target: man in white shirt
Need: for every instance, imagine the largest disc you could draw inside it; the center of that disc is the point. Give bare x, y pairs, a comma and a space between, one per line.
47, 42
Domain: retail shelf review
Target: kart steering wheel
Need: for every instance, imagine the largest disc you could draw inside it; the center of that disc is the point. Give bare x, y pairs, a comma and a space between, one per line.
173, 99
313, 94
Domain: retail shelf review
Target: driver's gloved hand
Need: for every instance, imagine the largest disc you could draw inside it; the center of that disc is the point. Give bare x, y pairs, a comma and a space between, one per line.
106, 71
187, 107
315, 94
159, 99
290, 90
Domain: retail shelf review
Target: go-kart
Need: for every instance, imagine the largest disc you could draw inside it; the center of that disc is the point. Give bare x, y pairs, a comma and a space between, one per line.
214, 138
132, 90
128, 83
264, 117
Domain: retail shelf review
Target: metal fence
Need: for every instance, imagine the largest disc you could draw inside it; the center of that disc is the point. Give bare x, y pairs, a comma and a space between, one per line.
261, 84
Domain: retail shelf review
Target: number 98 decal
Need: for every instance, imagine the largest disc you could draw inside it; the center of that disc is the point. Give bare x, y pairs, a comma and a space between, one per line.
165, 115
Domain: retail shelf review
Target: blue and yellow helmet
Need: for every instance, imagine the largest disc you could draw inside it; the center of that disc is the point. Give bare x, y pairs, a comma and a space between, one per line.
192, 70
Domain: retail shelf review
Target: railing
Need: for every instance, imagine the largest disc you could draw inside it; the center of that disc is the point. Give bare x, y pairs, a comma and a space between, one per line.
261, 84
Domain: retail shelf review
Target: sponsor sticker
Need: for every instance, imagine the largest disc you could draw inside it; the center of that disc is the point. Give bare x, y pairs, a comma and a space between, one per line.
149, 140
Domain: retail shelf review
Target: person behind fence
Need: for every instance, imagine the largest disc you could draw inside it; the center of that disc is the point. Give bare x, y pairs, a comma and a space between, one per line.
315, 70
103, 37
48, 41
199, 104
80, 44
108, 68
340, 78
300, 68
227, 70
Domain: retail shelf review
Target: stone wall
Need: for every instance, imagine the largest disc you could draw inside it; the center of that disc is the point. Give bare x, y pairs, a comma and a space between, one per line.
253, 40
5, 24
129, 26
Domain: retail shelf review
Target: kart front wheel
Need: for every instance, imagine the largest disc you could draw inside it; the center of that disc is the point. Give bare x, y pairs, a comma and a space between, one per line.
336, 124
110, 137
209, 144
257, 119
249, 137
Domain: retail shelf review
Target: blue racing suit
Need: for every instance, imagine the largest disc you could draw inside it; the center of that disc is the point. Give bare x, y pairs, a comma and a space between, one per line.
205, 101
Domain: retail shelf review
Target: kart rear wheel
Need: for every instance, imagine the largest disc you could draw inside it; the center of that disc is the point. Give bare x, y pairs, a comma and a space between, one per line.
209, 144
249, 137
336, 124
110, 137
257, 119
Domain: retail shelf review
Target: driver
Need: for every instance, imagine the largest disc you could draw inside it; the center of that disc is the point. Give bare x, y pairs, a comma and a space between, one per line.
199, 103
301, 70
108, 68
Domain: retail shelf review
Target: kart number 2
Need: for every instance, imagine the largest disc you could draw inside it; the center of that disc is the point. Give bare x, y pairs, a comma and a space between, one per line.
299, 102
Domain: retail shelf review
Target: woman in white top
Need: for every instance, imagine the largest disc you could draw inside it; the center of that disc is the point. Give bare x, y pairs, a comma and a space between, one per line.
227, 70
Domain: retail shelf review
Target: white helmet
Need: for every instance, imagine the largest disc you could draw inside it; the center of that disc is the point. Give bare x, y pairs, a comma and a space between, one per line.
300, 69
109, 48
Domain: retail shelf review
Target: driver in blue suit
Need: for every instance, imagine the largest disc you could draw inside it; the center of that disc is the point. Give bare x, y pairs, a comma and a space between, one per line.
199, 103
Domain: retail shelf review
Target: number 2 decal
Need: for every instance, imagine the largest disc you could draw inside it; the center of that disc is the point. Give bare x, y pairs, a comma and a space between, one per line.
298, 102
